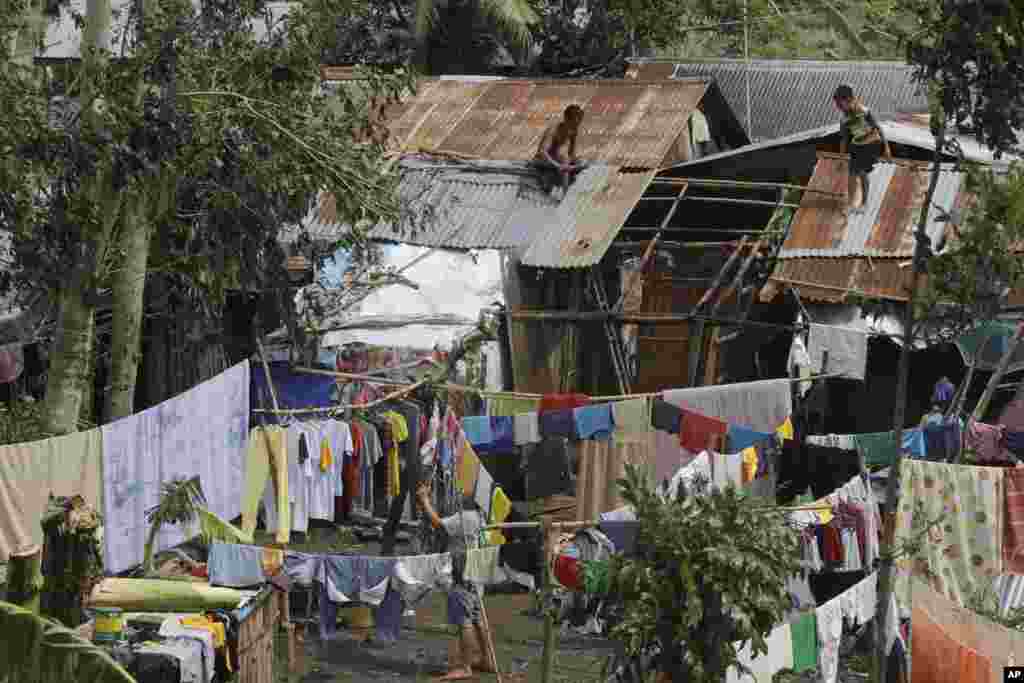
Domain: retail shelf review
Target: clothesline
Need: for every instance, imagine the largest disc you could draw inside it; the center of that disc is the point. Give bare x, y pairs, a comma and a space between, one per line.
337, 408
460, 387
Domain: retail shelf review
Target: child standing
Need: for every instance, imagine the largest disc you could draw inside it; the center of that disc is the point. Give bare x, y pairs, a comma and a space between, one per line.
863, 137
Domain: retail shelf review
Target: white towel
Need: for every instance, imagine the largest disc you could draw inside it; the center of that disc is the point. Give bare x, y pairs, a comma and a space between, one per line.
847, 350
525, 429
762, 405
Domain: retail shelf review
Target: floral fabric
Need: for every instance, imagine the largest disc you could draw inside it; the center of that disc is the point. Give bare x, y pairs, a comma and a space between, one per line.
963, 553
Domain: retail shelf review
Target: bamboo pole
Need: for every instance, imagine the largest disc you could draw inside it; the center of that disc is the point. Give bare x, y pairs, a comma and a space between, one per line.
283, 533
993, 381
638, 276
490, 638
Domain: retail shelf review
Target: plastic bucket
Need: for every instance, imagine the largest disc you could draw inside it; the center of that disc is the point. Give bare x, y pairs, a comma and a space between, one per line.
109, 625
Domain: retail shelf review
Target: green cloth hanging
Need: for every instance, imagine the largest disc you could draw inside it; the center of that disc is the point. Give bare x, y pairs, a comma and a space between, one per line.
876, 448
596, 579
804, 632
510, 406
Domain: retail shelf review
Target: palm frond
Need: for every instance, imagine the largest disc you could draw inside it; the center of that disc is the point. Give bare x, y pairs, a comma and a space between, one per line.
514, 17
37, 649
425, 19
213, 528
180, 502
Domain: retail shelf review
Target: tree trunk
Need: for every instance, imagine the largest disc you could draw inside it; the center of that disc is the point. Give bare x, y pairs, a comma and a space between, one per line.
76, 325
66, 385
892, 489
128, 286
25, 582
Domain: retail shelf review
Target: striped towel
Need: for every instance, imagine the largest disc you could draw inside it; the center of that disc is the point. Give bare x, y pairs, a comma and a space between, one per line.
1013, 534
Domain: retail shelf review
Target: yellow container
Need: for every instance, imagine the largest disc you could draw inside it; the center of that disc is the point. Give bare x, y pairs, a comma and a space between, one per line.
109, 625
360, 617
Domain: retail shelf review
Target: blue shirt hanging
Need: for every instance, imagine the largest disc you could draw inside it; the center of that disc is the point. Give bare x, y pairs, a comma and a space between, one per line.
557, 423
502, 434
478, 431
594, 422
741, 437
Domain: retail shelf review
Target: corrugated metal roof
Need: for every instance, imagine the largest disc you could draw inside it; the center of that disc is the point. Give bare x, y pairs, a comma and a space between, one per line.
628, 124
902, 131
833, 280
884, 228
790, 96
498, 205
460, 205
581, 229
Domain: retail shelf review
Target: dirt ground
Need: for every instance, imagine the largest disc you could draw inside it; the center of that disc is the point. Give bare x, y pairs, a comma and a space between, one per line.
422, 651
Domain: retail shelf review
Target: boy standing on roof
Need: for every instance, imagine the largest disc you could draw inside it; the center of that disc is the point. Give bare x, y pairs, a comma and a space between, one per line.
861, 134
556, 152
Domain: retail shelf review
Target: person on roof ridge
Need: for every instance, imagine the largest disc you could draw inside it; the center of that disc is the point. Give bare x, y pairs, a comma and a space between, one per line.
556, 152
865, 139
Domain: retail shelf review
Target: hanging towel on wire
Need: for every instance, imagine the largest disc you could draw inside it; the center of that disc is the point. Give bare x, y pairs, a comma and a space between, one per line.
594, 421
847, 350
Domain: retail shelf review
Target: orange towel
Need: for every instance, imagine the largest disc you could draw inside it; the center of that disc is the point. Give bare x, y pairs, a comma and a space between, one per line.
932, 650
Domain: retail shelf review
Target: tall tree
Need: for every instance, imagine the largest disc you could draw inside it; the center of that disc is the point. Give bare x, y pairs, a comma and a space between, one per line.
970, 54
219, 136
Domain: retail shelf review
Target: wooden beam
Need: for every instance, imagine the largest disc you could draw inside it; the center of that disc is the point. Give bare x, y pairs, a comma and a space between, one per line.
714, 182
642, 318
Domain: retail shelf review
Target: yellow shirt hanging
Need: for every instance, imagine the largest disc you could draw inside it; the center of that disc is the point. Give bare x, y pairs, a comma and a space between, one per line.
500, 507
399, 434
785, 430
749, 464
326, 457
469, 470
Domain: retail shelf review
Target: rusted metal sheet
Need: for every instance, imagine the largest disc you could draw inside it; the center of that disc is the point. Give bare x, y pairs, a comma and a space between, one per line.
885, 225
818, 223
579, 231
627, 123
834, 280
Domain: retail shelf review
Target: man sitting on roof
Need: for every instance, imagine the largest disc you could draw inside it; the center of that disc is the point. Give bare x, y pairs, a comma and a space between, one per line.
559, 165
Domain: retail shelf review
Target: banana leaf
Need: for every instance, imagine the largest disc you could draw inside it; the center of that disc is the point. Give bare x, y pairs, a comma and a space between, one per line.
34, 649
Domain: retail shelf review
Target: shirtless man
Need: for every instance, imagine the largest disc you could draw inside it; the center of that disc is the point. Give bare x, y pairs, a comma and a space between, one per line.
552, 153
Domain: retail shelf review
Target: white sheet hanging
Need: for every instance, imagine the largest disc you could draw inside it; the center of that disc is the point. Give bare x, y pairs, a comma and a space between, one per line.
203, 432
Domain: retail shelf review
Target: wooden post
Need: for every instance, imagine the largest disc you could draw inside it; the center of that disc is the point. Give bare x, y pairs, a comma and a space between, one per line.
490, 638
548, 660
25, 580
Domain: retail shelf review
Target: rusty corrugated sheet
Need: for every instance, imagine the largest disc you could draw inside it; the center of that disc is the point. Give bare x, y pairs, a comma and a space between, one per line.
578, 233
884, 227
627, 123
817, 222
833, 280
